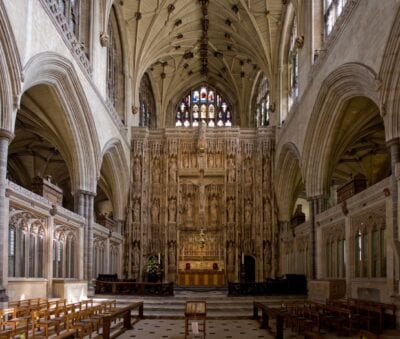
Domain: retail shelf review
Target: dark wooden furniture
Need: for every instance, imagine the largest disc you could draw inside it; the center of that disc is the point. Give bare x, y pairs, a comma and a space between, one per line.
288, 284
195, 310
268, 312
134, 288
47, 189
125, 313
354, 186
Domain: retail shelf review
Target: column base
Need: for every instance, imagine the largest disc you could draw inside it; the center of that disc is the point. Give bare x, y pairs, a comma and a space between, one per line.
90, 289
3, 298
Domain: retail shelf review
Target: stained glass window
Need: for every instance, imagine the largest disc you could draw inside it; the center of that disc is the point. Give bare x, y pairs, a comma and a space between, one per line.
332, 10
263, 104
203, 104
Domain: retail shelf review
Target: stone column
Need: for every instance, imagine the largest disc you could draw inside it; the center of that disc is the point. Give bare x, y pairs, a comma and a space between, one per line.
108, 254
313, 253
49, 254
120, 226
394, 149
5, 139
349, 261
85, 207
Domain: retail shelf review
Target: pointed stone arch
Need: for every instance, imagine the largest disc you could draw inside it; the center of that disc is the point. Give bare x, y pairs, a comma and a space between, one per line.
11, 72
57, 72
390, 76
348, 81
289, 176
117, 174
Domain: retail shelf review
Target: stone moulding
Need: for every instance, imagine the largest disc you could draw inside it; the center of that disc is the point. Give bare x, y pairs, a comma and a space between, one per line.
30, 197
69, 37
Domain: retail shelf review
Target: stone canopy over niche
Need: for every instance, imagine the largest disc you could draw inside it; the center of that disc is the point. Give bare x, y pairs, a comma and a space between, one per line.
202, 197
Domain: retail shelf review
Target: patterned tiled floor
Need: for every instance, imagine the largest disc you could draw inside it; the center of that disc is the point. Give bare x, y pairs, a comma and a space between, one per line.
217, 329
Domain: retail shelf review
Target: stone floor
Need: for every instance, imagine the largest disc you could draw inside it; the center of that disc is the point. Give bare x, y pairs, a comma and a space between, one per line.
215, 329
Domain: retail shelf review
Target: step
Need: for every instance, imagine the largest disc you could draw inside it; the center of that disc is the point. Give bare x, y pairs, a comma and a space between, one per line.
219, 305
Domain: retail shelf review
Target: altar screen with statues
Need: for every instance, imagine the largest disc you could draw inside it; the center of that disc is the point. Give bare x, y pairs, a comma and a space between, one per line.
201, 199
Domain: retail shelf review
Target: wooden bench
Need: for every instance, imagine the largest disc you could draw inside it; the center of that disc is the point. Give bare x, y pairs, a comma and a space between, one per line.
125, 313
269, 312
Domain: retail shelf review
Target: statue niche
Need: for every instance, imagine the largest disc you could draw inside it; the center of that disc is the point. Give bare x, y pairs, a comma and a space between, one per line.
172, 210
189, 209
213, 215
172, 170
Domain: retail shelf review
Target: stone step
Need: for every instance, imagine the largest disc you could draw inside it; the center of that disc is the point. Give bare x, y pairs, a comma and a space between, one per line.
219, 305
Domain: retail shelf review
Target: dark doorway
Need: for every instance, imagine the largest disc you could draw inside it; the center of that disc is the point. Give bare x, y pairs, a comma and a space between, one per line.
250, 268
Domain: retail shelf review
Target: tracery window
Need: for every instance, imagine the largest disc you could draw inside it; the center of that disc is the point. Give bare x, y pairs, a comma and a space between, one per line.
332, 10
147, 104
303, 256
206, 105
114, 259
370, 249
25, 248
335, 254
99, 257
115, 78
263, 103
289, 257
64, 256
293, 66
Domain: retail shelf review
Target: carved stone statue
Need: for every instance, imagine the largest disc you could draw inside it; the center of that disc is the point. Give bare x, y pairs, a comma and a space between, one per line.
248, 172
136, 256
267, 257
136, 211
231, 210
155, 211
189, 208
186, 160
172, 210
171, 255
213, 210
248, 212
172, 170
267, 210
156, 171
231, 255
137, 170
231, 170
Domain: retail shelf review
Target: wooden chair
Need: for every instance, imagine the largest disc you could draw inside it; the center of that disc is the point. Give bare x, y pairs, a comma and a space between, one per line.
41, 320
10, 330
88, 317
76, 324
16, 324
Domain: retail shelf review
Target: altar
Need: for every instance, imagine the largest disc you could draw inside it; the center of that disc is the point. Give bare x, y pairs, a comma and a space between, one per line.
201, 258
206, 278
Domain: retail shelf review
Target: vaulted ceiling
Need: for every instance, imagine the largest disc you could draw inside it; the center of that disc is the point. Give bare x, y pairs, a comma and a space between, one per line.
166, 39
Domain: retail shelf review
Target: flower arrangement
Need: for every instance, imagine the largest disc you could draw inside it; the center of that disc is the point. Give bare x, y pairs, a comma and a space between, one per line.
153, 269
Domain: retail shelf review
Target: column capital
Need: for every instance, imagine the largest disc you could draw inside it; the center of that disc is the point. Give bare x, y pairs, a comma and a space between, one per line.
6, 134
85, 193
394, 141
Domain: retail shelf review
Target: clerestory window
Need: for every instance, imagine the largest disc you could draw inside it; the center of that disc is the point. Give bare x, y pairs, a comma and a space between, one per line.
263, 104
206, 105
332, 11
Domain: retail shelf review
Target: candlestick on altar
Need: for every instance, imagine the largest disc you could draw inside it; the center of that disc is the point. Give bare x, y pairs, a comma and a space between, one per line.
242, 258
159, 258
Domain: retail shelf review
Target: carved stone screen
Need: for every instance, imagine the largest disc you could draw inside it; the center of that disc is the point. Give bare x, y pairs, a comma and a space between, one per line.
200, 200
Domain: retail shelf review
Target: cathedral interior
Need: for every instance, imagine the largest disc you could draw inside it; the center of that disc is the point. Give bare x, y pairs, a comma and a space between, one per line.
220, 141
